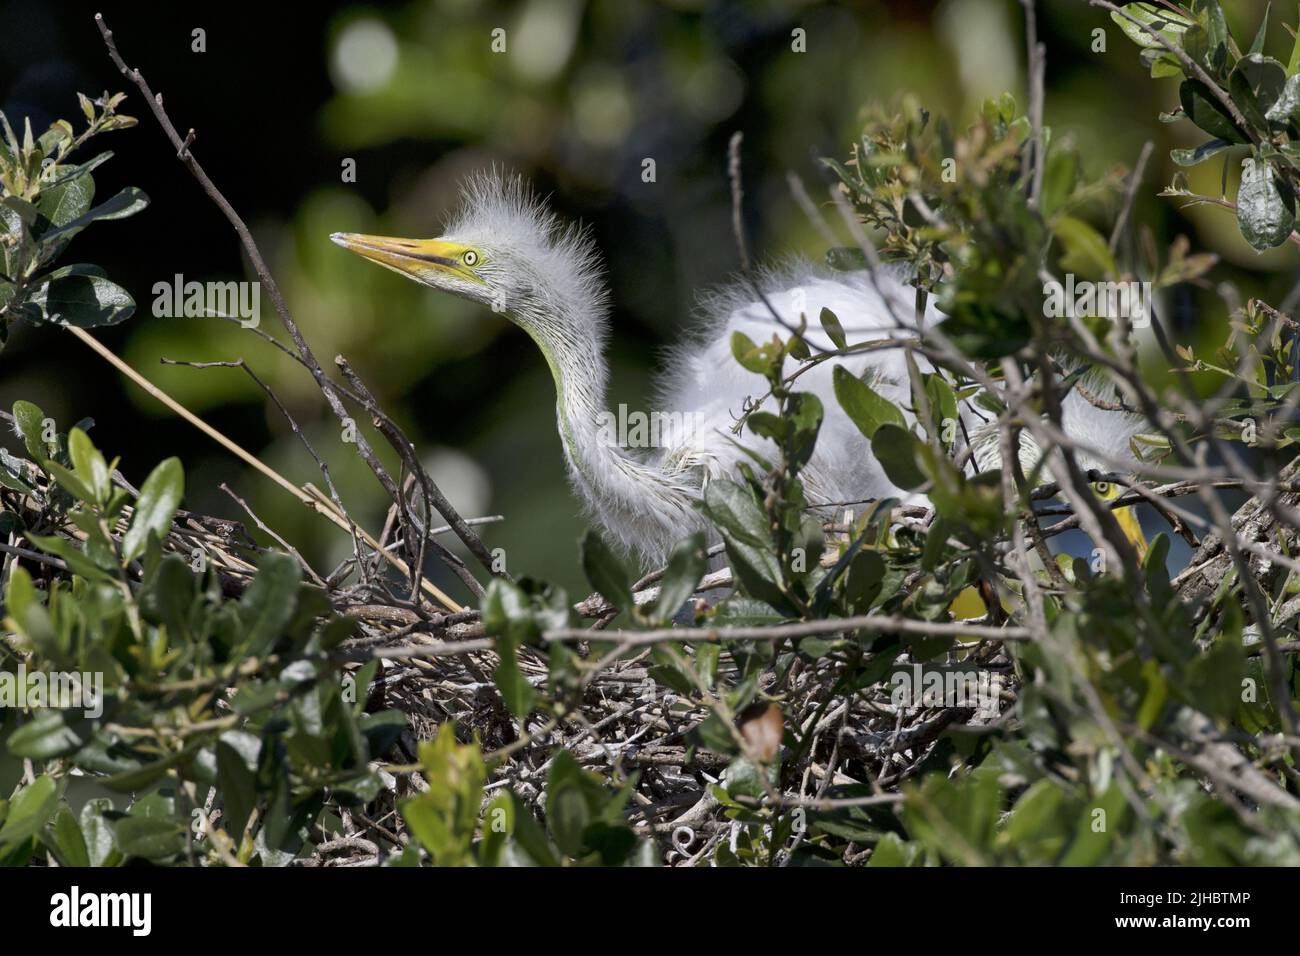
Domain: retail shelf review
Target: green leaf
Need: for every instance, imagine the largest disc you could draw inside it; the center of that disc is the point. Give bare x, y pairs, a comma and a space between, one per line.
1214, 679
795, 432
733, 508
1257, 46
866, 576
168, 595
29, 810
1204, 109
530, 837
743, 779
517, 693
506, 610
892, 851
69, 844
126, 203
865, 406
14, 474
1036, 816
90, 465
1091, 843
1285, 108
47, 736
15, 230
1161, 63
69, 173
501, 814
686, 566
1217, 34
63, 203
707, 657
238, 785
30, 422
138, 777
1086, 251
1060, 177
160, 496
943, 404
15, 212
1293, 64
895, 448
834, 330
1255, 85
749, 355
1168, 24
1265, 205
20, 592
508, 614
567, 813
268, 605
98, 832
1194, 157
846, 259
149, 838
28, 615
605, 571
69, 481
76, 560
78, 295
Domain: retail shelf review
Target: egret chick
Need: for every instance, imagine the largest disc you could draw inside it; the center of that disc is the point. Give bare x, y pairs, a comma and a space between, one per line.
507, 251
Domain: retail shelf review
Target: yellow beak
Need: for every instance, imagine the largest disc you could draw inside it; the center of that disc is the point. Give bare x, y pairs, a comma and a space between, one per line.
414, 258
969, 604
1132, 528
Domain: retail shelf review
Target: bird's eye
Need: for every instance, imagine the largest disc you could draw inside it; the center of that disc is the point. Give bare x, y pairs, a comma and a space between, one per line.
1103, 488
470, 257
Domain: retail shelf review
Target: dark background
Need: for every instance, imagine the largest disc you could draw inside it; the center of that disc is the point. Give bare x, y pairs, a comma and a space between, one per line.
413, 93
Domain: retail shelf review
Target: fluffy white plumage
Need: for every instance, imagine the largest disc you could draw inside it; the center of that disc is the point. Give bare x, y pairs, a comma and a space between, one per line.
546, 276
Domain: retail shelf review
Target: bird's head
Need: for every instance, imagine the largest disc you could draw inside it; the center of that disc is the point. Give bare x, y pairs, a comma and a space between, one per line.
1094, 419
506, 250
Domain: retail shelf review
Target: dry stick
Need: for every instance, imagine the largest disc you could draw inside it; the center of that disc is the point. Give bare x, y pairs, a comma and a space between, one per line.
742, 248
271, 533
302, 436
477, 588
871, 622
1135, 180
710, 635
327, 387
433, 497
36, 556
248, 457
1036, 67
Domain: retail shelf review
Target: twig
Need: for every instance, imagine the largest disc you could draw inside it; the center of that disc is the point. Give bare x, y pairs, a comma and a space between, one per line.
243, 455
327, 387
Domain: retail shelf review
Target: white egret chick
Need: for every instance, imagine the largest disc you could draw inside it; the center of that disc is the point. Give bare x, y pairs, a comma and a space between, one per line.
506, 250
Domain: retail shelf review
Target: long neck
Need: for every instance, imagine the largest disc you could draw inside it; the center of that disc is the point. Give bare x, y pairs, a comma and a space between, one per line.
635, 502
580, 372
